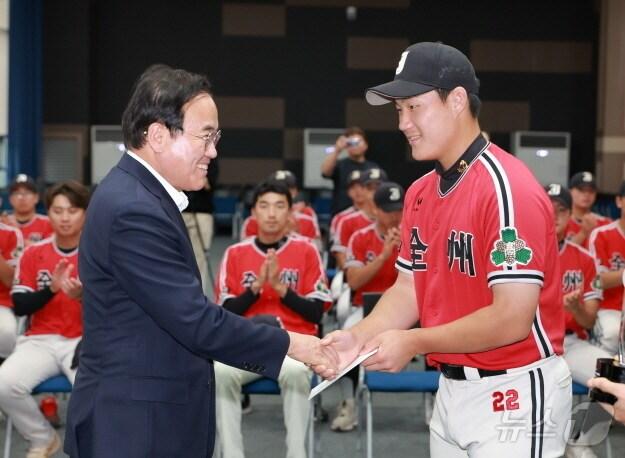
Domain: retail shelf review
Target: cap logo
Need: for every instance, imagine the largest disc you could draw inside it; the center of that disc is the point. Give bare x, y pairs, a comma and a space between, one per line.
554, 189
402, 61
586, 177
374, 174
394, 194
281, 175
21, 178
355, 174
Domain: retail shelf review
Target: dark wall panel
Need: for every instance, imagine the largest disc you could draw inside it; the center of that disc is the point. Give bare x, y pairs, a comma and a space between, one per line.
94, 50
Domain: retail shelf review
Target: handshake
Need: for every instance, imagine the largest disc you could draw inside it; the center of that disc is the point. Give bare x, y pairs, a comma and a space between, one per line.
328, 356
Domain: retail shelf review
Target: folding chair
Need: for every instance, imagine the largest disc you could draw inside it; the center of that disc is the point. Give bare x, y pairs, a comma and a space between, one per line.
57, 384
385, 382
269, 386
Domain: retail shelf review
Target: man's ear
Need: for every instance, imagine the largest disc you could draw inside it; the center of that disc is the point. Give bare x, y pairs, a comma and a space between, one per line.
156, 136
458, 100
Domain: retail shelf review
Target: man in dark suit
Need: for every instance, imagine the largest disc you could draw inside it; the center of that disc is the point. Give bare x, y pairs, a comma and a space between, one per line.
145, 384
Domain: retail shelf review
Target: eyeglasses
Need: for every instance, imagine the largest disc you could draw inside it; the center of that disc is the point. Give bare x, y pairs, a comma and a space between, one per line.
212, 137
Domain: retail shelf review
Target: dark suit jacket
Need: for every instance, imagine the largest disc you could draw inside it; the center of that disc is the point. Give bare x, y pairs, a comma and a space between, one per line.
145, 384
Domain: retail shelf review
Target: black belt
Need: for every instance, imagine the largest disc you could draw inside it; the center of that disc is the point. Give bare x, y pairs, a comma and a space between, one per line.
456, 372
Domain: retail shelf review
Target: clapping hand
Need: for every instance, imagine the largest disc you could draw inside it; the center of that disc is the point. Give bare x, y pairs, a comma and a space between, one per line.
70, 285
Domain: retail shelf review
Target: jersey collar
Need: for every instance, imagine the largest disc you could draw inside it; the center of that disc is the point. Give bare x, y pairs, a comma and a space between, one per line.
450, 176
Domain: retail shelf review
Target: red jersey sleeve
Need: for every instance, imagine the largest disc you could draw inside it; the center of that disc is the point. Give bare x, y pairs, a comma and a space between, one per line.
516, 219
227, 286
25, 279
592, 288
356, 252
599, 249
314, 284
409, 250
12, 245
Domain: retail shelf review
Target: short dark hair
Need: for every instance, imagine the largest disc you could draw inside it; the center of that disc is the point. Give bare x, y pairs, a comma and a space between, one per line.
158, 96
355, 130
474, 101
271, 186
76, 193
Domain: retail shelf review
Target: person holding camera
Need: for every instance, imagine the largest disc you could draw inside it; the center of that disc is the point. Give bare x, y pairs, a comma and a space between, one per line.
354, 142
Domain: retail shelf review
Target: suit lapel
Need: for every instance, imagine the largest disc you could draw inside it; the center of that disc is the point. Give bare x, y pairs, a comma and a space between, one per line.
152, 184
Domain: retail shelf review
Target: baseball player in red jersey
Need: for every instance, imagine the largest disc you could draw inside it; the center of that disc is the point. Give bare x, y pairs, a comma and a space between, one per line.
23, 196
607, 244
583, 188
368, 180
278, 279
581, 294
370, 268
11, 247
289, 179
478, 267
46, 287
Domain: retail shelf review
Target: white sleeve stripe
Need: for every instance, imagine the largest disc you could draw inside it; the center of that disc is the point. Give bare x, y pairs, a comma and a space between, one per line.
509, 279
590, 295
21, 289
519, 272
354, 263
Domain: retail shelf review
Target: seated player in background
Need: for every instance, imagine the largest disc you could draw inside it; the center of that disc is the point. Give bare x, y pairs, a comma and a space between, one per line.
607, 245
365, 183
11, 247
583, 189
581, 295
275, 278
370, 267
47, 289
24, 197
302, 218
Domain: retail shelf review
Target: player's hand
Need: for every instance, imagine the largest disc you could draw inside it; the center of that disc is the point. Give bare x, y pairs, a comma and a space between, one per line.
616, 389
588, 223
395, 349
71, 286
260, 279
273, 273
392, 239
309, 350
572, 300
59, 275
345, 344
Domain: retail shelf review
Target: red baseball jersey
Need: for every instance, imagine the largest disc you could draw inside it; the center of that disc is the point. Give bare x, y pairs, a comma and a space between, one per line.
363, 247
574, 227
300, 268
36, 229
578, 269
607, 245
11, 247
305, 225
61, 315
336, 220
347, 226
307, 210
493, 226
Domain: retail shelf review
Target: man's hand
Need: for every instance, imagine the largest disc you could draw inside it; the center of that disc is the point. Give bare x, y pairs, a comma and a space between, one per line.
59, 275
261, 279
340, 144
572, 300
309, 350
345, 345
616, 389
392, 239
273, 273
71, 286
395, 350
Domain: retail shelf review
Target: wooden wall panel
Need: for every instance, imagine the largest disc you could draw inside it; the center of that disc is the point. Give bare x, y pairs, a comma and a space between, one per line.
253, 20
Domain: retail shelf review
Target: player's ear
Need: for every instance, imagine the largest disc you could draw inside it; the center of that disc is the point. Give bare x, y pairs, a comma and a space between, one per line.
458, 100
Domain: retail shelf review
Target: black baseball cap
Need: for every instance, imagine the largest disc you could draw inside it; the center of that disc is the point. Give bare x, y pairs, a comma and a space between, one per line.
284, 176
559, 193
373, 175
22, 180
423, 67
355, 176
582, 179
389, 197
